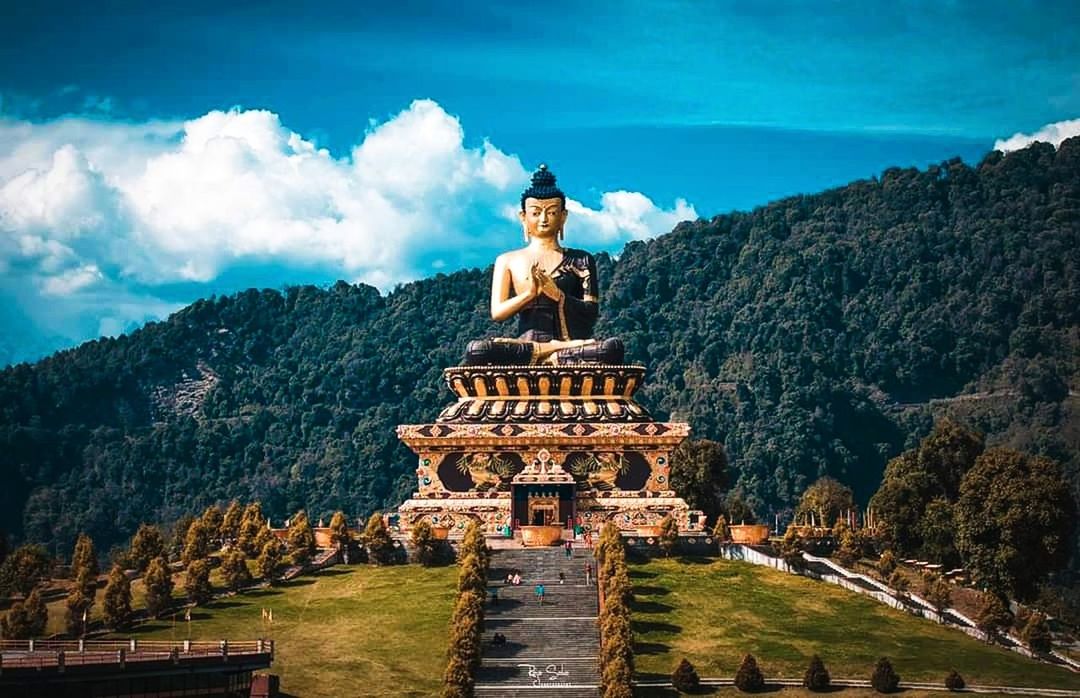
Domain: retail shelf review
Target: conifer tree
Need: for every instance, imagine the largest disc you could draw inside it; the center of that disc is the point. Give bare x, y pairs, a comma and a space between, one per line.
817, 676
720, 529
270, 560
884, 679
178, 536
1036, 633
197, 582
25, 619
84, 561
78, 605
197, 543
250, 526
230, 522
301, 539
116, 604
80, 600
685, 678
749, 678
234, 570
380, 547
212, 520
159, 586
954, 681
992, 616
265, 536
669, 534
339, 534
146, 544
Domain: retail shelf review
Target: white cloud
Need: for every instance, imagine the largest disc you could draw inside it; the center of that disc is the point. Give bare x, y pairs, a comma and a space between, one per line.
1051, 133
90, 206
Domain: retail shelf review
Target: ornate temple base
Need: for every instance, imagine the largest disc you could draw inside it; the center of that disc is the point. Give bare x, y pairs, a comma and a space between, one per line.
545, 448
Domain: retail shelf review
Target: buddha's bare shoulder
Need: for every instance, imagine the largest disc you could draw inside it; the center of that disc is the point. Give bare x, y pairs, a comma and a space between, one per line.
507, 258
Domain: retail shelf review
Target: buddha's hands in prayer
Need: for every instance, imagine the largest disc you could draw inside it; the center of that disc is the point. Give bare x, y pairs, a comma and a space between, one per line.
544, 284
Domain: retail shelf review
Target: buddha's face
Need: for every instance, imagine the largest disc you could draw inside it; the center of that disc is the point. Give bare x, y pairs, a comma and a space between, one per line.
543, 218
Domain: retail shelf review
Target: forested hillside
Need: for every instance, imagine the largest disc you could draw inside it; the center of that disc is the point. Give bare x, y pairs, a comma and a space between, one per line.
819, 334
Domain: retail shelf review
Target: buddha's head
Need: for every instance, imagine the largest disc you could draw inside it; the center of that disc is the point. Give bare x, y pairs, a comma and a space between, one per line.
543, 206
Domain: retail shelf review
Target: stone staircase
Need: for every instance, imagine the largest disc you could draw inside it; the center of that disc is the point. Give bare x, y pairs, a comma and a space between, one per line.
551, 649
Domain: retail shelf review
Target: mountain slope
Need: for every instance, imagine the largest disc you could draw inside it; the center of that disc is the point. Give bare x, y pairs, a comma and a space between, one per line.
817, 334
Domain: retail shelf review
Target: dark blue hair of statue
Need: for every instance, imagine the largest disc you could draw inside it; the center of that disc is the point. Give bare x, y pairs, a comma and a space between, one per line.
543, 187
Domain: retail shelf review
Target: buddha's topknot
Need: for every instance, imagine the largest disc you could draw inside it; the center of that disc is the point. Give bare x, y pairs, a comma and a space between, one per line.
542, 187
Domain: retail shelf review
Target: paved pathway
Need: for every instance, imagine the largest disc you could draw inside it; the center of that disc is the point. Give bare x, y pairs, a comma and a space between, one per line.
551, 649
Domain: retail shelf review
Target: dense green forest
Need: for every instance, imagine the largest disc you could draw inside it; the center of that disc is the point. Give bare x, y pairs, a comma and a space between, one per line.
820, 334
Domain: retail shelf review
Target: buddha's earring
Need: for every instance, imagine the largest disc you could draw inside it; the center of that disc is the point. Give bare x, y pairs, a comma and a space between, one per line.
562, 234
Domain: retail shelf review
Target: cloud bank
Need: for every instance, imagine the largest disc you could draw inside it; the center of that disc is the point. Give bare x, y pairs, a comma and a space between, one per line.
99, 219
1051, 133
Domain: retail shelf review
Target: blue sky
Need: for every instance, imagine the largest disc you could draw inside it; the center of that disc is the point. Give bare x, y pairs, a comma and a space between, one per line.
154, 154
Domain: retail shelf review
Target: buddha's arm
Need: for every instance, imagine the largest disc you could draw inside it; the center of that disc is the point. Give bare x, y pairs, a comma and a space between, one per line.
503, 305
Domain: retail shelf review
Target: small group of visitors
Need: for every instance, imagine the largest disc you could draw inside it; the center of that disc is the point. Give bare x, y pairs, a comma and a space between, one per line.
513, 578
498, 639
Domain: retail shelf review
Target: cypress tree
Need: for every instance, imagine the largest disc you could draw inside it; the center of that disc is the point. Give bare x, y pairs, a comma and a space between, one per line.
197, 582
685, 678
301, 539
159, 586
817, 676
380, 547
884, 679
230, 522
147, 543
234, 570
424, 543
116, 605
749, 678
196, 544
270, 560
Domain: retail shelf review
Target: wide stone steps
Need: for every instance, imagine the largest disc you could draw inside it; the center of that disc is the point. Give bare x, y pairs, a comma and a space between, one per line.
551, 648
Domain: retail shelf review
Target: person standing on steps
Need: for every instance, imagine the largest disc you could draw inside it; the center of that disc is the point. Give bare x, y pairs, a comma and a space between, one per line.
588, 574
569, 549
540, 593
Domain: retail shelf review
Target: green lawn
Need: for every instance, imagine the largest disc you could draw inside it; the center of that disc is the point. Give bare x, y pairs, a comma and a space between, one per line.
714, 611
371, 631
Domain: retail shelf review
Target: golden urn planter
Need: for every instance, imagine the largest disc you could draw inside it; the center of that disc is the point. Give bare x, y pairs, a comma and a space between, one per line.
749, 534
440, 532
537, 536
648, 531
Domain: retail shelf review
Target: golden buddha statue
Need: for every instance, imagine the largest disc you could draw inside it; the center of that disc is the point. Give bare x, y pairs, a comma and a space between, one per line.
550, 288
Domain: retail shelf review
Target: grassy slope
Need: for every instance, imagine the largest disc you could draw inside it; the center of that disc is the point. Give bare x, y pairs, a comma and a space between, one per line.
347, 631
714, 611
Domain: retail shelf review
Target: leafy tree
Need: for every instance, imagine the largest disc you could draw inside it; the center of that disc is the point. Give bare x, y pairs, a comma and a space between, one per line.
699, 474
937, 529
669, 535
791, 549
1036, 633
230, 522
947, 453
817, 676
884, 679
301, 539
748, 677
1012, 537
197, 544
270, 560
23, 569
828, 499
685, 678
886, 564
992, 616
147, 544
25, 619
937, 591
425, 545
197, 582
737, 509
159, 586
116, 605
380, 547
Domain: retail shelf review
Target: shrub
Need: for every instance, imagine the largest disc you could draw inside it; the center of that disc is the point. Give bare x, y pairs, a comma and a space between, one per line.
937, 591
817, 676
425, 544
749, 678
380, 547
954, 681
884, 679
685, 677
791, 549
